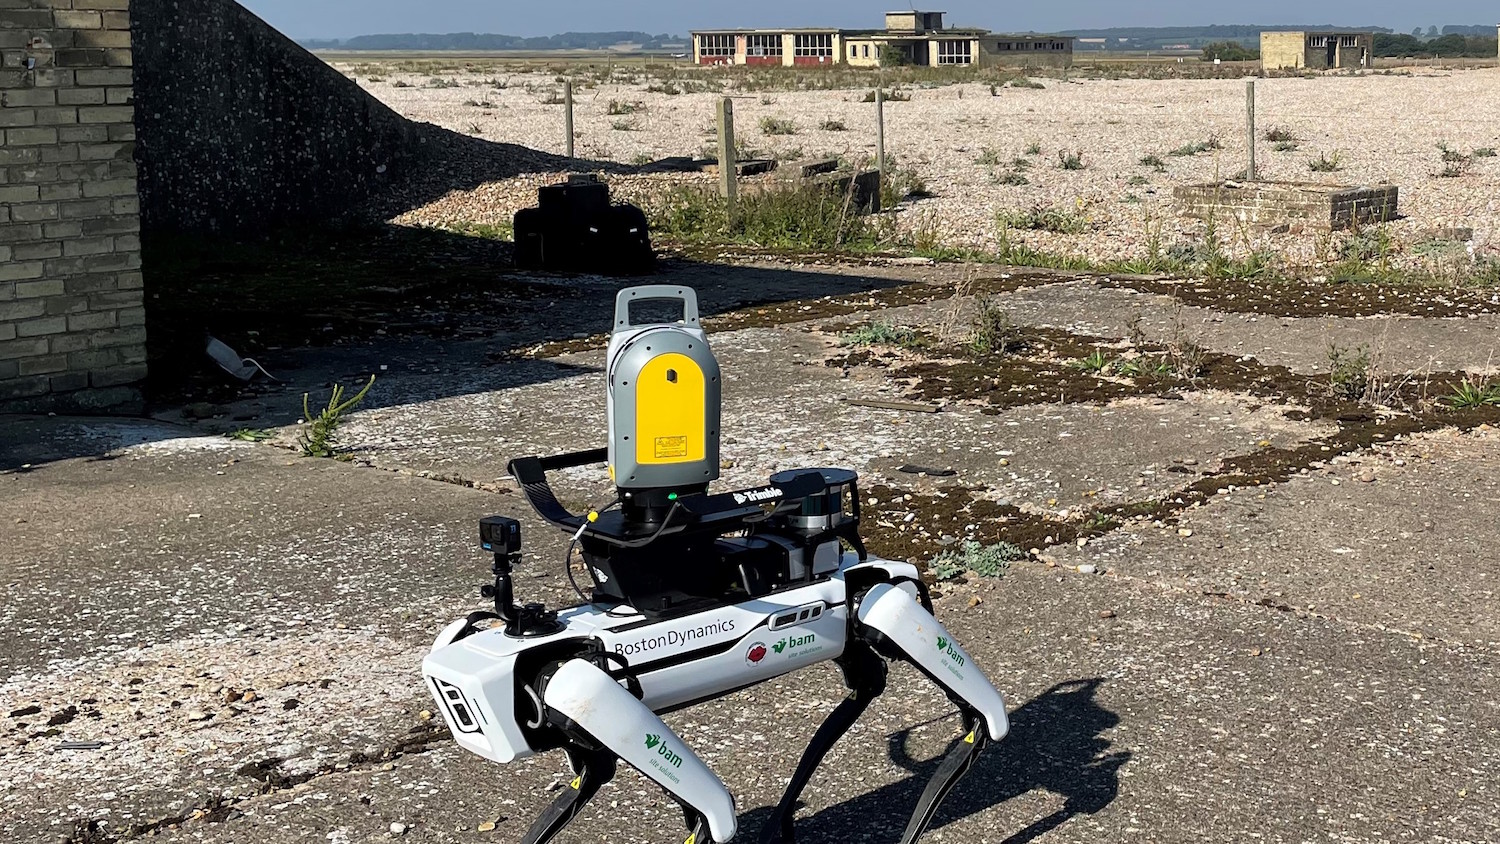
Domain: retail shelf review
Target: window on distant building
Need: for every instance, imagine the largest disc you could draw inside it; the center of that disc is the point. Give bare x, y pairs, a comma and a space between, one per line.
1318, 41
716, 45
954, 51
813, 45
1348, 41
865, 51
763, 45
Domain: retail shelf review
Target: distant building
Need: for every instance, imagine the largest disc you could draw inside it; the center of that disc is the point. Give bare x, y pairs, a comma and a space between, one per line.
1316, 50
919, 37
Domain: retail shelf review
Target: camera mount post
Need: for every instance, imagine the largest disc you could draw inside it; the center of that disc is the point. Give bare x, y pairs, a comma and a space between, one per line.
502, 536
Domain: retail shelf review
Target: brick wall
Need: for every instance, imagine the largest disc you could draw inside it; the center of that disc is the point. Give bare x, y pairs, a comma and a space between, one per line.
1274, 203
72, 321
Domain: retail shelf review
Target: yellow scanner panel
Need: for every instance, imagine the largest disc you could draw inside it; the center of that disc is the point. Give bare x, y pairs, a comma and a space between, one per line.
669, 408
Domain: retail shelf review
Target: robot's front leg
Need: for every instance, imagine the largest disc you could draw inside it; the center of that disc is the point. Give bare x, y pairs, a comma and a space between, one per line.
901, 628
584, 701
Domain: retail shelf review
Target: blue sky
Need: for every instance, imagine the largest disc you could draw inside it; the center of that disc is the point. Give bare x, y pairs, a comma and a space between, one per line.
344, 18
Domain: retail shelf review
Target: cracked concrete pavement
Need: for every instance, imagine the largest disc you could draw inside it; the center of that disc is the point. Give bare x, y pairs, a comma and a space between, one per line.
241, 627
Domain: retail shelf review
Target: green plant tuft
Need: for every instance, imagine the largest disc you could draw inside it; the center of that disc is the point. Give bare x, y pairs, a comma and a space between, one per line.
320, 437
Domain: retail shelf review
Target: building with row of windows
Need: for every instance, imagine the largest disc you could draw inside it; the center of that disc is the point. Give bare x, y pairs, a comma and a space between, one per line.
918, 38
1316, 50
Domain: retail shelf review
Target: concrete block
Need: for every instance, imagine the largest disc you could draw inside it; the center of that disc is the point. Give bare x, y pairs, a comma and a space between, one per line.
118, 375
103, 5
116, 20
45, 365
81, 96
35, 251
58, 231
80, 58
24, 388
18, 349
91, 134
79, 247
134, 336
61, 192
130, 317
102, 38
13, 117
20, 270
56, 116
77, 20
16, 98
102, 282
111, 187
42, 326
61, 154
64, 305
19, 193
66, 343
30, 137
15, 311
108, 77
91, 321
94, 359
69, 382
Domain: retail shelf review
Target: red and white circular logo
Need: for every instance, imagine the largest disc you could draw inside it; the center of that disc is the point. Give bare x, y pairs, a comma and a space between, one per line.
756, 653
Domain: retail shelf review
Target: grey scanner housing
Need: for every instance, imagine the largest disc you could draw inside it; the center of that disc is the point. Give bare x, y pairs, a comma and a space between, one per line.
631, 348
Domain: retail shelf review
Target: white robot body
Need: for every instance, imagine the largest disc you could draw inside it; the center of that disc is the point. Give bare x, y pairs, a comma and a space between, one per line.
678, 661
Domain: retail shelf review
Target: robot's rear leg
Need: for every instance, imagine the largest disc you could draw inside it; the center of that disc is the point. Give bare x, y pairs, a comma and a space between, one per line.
955, 764
864, 674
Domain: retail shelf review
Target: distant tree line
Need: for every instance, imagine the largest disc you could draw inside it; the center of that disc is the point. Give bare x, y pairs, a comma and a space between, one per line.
1452, 45
473, 41
1230, 51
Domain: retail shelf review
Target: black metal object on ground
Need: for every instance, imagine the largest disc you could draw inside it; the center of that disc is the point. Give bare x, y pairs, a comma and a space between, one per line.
575, 227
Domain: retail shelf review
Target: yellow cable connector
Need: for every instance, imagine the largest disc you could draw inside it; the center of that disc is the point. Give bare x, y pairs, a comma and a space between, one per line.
593, 515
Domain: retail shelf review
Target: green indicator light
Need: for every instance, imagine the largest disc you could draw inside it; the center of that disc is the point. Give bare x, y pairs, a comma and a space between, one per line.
672, 497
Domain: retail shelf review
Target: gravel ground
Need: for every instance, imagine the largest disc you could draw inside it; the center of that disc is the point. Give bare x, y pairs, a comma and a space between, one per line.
960, 138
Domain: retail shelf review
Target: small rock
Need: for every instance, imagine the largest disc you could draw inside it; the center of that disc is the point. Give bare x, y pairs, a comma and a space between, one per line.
1082, 541
1184, 531
424, 715
1087, 569
975, 601
487, 826
233, 696
198, 715
248, 697
398, 828
1106, 613
1367, 477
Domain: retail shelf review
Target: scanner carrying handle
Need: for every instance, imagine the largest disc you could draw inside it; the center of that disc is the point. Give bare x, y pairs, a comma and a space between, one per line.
649, 292
531, 474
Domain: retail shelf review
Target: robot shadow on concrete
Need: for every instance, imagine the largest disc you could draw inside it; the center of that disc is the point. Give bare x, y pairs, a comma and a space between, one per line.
694, 595
1056, 744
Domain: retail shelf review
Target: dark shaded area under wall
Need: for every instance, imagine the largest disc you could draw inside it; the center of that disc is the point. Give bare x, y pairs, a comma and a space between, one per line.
240, 130
360, 292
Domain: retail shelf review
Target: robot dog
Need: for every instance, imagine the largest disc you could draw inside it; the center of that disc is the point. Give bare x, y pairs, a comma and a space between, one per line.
695, 595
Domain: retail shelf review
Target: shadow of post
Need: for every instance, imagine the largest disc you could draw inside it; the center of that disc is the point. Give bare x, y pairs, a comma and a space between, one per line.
1056, 744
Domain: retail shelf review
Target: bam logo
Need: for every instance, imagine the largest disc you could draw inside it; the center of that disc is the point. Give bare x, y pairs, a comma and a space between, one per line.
794, 642
654, 742
946, 647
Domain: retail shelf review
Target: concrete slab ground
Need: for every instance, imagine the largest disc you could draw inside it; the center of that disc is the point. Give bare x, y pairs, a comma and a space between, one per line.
1402, 538
241, 627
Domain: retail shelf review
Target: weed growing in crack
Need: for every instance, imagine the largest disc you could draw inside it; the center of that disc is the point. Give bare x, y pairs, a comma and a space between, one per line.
992, 331
972, 555
1096, 363
1070, 160
1469, 395
881, 333
1348, 372
320, 438
251, 435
